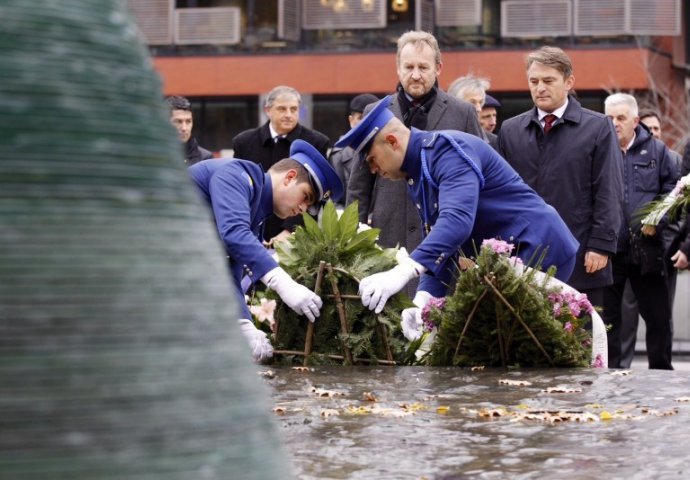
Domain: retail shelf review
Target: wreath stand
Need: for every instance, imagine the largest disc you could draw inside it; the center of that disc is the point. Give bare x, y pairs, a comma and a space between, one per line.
503, 341
327, 270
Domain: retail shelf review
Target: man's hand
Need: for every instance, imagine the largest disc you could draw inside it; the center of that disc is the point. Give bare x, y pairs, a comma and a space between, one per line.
376, 289
258, 342
296, 296
595, 261
680, 260
281, 237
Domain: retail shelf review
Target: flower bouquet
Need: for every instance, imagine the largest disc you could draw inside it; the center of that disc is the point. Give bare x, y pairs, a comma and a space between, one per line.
676, 200
331, 257
503, 313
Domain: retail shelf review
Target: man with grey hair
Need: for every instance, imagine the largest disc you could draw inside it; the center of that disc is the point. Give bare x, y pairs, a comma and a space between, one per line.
630, 312
570, 156
649, 170
271, 142
472, 89
418, 103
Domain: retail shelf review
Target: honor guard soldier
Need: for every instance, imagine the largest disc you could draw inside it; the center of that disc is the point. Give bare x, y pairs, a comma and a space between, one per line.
242, 196
463, 189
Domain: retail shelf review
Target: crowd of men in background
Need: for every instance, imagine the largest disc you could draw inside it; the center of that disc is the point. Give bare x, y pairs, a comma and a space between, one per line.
596, 169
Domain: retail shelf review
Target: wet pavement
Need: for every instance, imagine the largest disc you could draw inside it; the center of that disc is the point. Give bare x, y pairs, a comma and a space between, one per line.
443, 423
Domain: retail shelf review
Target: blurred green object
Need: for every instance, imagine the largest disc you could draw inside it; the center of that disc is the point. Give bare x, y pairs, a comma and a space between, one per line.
120, 354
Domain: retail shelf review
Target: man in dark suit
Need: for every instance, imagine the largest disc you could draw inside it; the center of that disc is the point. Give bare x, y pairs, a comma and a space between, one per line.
270, 143
419, 103
570, 156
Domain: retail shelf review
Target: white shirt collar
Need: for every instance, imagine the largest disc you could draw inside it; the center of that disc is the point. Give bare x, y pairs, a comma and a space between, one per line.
630, 143
558, 112
274, 134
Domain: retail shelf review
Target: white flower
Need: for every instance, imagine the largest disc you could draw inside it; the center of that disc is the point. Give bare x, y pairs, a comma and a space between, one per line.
363, 227
264, 311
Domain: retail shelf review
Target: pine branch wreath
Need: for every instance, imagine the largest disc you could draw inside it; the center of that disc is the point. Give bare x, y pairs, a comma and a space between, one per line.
503, 314
331, 258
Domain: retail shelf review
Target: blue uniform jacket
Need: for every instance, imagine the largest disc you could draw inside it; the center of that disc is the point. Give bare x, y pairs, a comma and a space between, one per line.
241, 198
472, 197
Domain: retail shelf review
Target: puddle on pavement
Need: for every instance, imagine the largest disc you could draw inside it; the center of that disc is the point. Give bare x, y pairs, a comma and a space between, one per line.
442, 423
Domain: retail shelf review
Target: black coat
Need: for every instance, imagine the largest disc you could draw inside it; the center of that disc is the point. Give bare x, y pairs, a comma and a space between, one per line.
194, 153
257, 145
685, 231
577, 168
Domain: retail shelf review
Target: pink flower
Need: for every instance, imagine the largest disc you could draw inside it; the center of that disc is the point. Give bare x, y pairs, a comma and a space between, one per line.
598, 361
434, 302
568, 327
576, 303
498, 246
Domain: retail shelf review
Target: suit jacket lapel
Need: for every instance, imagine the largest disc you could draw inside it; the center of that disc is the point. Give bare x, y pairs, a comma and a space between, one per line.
438, 110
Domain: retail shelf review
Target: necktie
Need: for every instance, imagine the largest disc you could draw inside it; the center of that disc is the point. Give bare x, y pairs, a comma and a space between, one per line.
548, 122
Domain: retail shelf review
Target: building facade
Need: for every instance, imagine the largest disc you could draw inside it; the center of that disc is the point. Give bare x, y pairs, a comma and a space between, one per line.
225, 54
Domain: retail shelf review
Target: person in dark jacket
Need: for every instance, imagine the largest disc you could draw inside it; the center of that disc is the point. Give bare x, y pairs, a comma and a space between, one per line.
181, 118
630, 312
419, 103
570, 156
271, 142
681, 258
341, 158
488, 118
464, 193
650, 171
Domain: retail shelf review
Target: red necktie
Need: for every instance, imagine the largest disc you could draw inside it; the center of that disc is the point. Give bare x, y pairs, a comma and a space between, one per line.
548, 122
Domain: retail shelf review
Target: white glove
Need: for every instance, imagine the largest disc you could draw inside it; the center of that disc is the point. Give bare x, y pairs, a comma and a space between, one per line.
258, 342
296, 296
376, 289
411, 318
411, 323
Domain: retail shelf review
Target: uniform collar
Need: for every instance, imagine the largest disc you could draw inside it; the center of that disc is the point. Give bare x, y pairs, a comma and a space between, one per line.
411, 164
266, 202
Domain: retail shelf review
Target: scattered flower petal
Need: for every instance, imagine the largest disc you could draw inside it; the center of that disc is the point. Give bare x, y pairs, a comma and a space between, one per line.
329, 412
320, 392
514, 383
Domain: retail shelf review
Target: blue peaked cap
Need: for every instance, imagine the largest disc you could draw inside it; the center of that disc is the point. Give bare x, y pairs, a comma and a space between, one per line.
360, 137
324, 179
